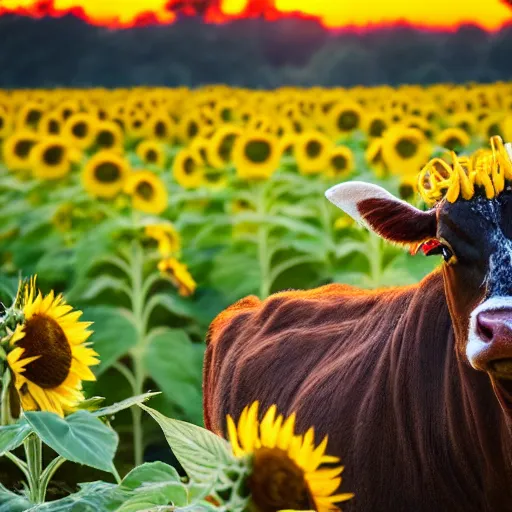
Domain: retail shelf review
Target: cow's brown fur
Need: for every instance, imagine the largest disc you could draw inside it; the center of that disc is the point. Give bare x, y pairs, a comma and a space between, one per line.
417, 429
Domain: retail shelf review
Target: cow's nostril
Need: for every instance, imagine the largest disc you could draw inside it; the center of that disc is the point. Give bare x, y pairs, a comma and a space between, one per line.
484, 329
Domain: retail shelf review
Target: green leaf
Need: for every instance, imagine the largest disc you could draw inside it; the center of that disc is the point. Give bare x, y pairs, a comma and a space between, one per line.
150, 472
12, 436
175, 305
92, 497
154, 483
113, 337
203, 454
80, 437
104, 283
175, 363
125, 404
11, 502
91, 404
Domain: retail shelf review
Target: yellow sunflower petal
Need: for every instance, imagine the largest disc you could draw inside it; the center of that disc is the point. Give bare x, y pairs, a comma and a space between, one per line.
233, 437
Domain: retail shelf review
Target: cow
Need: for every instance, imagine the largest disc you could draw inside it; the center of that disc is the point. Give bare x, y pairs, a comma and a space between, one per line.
412, 384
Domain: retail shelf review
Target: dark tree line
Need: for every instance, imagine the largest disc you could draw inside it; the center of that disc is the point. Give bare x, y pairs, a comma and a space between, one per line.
250, 52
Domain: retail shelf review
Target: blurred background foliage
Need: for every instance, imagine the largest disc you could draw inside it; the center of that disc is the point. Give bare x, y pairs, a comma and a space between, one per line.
67, 52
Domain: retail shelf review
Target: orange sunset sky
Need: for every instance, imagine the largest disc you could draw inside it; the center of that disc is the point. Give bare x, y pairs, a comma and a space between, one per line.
490, 14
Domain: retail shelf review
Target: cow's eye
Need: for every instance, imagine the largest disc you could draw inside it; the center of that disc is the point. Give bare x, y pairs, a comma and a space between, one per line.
433, 247
447, 253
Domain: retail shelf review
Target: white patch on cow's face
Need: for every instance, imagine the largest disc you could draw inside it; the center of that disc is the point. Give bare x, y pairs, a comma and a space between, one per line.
347, 195
476, 345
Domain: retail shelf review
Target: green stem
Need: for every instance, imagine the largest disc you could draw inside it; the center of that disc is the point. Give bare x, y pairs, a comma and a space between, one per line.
22, 465
47, 475
33, 453
126, 373
138, 432
263, 252
137, 353
5, 407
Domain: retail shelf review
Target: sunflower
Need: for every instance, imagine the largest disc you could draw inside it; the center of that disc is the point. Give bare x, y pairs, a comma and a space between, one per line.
109, 135
151, 152
312, 150
286, 469
408, 187
492, 125
465, 121
50, 356
6, 123
373, 157
453, 139
220, 145
80, 129
135, 125
168, 238
188, 167
67, 109
160, 126
148, 192
375, 124
190, 126
17, 148
405, 150
29, 115
344, 222
344, 118
62, 219
52, 158
256, 155
341, 162
179, 275
104, 174
50, 124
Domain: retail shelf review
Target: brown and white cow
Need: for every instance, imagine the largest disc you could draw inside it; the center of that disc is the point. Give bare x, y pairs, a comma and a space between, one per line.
412, 384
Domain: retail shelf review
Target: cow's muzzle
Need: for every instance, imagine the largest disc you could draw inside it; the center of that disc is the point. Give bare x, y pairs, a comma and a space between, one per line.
489, 345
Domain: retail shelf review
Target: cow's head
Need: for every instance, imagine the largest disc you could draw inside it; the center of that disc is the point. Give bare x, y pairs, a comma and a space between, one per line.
474, 238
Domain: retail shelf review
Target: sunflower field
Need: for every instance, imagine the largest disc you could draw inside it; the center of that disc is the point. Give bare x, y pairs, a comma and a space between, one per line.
150, 210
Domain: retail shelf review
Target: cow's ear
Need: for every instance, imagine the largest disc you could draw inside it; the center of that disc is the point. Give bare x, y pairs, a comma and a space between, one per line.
391, 218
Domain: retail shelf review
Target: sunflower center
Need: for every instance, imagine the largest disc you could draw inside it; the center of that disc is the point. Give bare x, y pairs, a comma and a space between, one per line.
453, 143
192, 129
79, 129
53, 126
145, 190
105, 139
67, 112
44, 337
53, 155
348, 120
33, 116
2, 122
313, 149
151, 156
277, 483
406, 191
257, 151
226, 114
494, 129
189, 166
22, 148
107, 172
160, 129
226, 146
339, 162
464, 125
377, 126
406, 148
